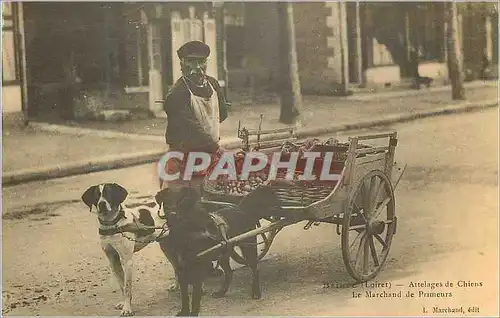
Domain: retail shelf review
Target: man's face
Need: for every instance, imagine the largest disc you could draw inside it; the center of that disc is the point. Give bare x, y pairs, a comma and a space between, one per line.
194, 68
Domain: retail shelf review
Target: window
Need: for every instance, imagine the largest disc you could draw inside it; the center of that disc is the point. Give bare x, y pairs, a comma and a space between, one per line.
7, 8
9, 63
235, 45
235, 40
136, 52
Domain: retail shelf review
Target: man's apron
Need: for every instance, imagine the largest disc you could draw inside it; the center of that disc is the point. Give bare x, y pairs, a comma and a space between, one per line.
206, 111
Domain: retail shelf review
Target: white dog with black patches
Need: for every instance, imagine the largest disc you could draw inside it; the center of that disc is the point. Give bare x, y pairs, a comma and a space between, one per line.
115, 220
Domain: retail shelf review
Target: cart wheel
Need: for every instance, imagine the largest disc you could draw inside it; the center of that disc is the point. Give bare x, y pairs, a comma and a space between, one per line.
266, 239
367, 228
264, 242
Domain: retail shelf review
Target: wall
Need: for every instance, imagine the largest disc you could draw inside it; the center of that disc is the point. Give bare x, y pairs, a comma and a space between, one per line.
261, 34
478, 39
317, 45
11, 99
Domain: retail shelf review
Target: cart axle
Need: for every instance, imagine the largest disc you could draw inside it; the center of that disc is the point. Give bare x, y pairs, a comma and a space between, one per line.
376, 227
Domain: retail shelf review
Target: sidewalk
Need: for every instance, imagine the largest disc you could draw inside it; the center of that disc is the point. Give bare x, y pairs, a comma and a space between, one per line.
45, 151
317, 111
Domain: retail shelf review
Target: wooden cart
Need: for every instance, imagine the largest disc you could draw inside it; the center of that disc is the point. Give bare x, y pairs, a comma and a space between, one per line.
361, 203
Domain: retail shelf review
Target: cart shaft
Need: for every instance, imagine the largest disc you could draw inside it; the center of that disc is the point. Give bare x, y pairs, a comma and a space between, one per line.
235, 240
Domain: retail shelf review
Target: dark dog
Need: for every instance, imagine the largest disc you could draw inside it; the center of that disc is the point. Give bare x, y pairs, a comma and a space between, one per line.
422, 80
193, 229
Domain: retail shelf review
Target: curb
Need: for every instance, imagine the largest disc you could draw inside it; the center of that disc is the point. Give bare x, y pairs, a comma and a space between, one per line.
79, 167
400, 118
62, 129
133, 159
416, 92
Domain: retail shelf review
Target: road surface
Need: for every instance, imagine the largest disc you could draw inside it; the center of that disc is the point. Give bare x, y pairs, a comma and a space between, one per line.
447, 204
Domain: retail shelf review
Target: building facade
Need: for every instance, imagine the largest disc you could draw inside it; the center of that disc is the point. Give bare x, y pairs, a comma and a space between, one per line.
82, 58
66, 60
378, 39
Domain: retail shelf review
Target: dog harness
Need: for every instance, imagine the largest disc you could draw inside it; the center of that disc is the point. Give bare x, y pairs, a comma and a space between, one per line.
109, 227
119, 216
220, 224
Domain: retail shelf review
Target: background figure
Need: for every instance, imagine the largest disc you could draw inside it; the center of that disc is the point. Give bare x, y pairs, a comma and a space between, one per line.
414, 73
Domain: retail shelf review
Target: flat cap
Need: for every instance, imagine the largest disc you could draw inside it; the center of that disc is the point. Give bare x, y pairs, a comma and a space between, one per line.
193, 49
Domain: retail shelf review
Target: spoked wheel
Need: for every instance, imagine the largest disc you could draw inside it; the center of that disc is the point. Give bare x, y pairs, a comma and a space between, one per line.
264, 242
368, 227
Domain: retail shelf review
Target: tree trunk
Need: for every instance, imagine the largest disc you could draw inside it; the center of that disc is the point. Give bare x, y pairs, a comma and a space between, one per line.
290, 93
455, 62
366, 39
358, 47
344, 48
220, 13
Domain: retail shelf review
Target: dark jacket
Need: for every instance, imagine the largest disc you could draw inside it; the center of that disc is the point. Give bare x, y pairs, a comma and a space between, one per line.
183, 131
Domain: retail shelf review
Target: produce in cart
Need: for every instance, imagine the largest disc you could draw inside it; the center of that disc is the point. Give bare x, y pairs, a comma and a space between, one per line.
224, 186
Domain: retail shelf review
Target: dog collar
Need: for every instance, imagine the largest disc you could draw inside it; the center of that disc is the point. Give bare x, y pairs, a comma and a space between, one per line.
121, 215
110, 231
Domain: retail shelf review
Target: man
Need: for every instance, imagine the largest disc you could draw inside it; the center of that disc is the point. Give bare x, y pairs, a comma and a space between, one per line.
195, 106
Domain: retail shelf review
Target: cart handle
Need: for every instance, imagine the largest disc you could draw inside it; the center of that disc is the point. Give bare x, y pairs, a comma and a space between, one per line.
377, 136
